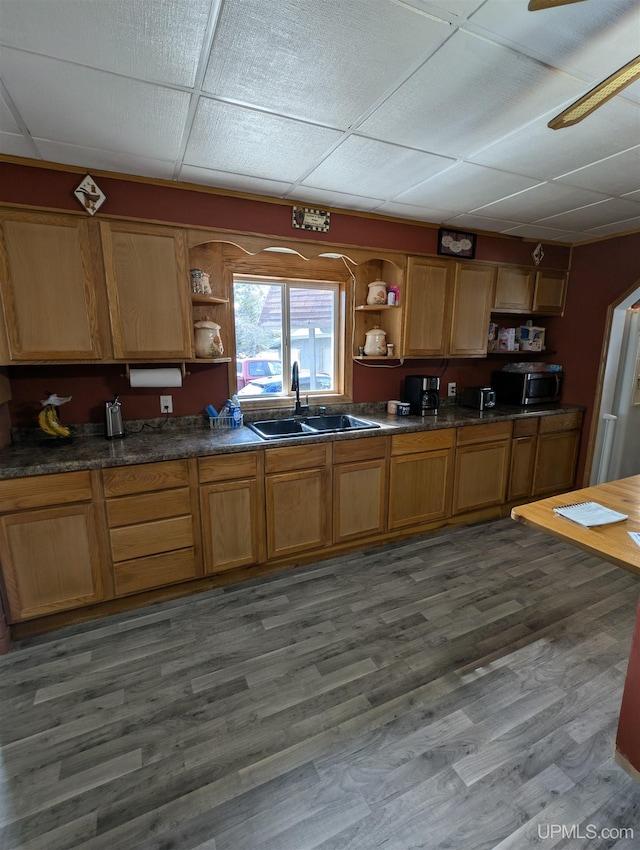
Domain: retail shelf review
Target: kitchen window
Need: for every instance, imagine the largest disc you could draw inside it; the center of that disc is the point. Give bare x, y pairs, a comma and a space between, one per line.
279, 321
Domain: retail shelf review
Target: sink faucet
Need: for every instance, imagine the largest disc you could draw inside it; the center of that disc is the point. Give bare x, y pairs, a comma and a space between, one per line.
295, 387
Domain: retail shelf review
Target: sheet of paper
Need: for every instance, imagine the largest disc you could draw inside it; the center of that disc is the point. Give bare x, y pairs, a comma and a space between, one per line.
589, 514
635, 536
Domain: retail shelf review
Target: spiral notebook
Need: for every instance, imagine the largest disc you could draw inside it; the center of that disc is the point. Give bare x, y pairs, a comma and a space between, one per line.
589, 514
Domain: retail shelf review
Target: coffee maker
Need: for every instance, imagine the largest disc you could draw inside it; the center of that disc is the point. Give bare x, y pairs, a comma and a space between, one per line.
421, 391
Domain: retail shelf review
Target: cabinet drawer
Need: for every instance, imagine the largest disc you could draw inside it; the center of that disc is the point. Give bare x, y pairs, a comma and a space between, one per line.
525, 427
423, 441
484, 433
129, 510
154, 571
149, 538
225, 467
297, 457
561, 422
38, 491
349, 451
143, 477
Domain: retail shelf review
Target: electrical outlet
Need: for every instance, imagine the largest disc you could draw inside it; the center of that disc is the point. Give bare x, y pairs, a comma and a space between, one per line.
166, 404
452, 389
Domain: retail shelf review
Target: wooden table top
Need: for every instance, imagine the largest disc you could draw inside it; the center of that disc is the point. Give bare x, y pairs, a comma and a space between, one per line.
611, 542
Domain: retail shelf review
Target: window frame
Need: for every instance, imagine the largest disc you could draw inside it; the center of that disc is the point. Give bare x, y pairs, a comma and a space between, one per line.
291, 267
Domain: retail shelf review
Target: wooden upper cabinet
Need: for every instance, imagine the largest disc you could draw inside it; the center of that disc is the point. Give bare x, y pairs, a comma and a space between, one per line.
550, 293
427, 307
147, 276
471, 309
49, 286
514, 290
447, 308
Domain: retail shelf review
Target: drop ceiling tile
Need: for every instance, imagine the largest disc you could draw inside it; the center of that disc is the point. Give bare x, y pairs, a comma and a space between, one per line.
467, 95
8, 123
537, 151
419, 213
616, 175
378, 170
323, 62
464, 186
541, 201
595, 215
633, 196
245, 141
91, 158
233, 182
15, 145
477, 222
628, 225
546, 234
453, 9
591, 41
323, 198
87, 108
156, 41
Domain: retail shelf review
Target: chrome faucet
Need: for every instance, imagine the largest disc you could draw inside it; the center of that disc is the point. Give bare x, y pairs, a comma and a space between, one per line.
295, 387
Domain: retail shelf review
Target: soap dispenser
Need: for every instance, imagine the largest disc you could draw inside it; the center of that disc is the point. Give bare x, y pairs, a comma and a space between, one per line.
113, 413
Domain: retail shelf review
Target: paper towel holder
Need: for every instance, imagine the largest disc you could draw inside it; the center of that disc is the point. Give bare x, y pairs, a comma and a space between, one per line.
127, 374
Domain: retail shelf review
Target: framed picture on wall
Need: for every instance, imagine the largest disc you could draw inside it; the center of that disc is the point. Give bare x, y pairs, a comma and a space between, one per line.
456, 243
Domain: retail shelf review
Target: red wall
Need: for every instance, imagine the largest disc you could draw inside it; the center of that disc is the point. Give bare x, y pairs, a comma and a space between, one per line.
600, 273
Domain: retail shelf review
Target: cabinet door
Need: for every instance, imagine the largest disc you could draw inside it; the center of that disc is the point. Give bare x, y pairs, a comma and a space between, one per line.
148, 287
49, 286
514, 290
359, 499
232, 524
550, 293
50, 560
297, 512
427, 307
473, 297
420, 488
556, 457
523, 455
480, 476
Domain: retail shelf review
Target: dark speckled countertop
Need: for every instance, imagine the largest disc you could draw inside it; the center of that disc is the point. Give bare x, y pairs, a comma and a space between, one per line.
32, 453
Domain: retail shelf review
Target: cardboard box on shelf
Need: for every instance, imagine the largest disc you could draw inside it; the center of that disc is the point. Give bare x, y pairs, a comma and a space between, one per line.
507, 340
531, 338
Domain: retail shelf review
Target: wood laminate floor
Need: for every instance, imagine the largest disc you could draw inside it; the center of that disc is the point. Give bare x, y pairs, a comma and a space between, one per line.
455, 691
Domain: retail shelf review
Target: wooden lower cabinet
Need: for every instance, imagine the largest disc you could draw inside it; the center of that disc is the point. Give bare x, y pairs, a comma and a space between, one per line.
482, 466
152, 517
298, 499
523, 456
557, 453
51, 554
420, 477
232, 511
359, 488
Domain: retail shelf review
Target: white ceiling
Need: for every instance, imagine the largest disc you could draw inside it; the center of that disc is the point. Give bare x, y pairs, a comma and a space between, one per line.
434, 110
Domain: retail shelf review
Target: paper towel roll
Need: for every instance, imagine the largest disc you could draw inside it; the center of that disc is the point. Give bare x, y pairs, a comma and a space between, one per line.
155, 377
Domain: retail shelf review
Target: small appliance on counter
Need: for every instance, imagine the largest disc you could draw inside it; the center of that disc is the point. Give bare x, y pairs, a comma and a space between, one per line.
113, 413
421, 391
524, 384
479, 398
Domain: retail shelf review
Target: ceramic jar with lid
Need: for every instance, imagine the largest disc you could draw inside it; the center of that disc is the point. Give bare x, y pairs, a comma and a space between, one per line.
208, 341
377, 292
375, 343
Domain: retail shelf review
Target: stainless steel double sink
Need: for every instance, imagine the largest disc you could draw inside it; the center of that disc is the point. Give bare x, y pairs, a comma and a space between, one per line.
309, 426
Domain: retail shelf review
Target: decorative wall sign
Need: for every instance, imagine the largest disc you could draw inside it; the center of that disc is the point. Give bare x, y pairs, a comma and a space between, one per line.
90, 195
309, 219
538, 254
455, 243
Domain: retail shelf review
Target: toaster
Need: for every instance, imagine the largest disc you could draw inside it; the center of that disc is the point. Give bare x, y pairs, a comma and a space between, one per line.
480, 398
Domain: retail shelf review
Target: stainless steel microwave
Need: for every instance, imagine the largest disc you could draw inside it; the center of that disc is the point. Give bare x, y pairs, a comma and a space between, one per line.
523, 388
